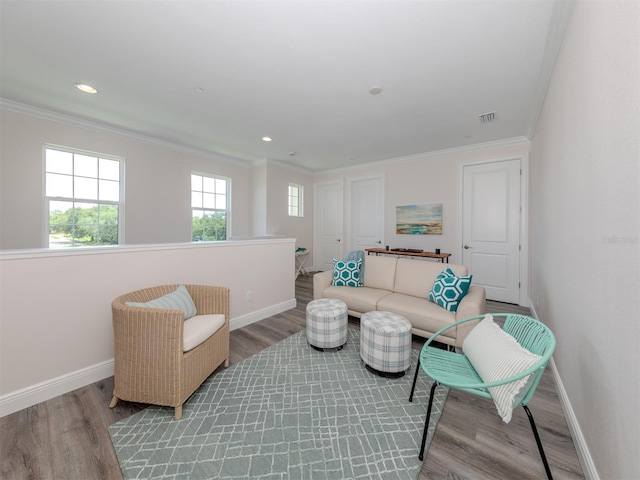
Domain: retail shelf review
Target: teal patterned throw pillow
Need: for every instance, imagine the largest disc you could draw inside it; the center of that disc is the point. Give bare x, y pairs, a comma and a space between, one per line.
449, 290
346, 274
179, 299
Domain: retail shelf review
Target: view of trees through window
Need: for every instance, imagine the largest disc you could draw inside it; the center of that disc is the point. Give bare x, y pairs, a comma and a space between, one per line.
83, 199
209, 208
78, 224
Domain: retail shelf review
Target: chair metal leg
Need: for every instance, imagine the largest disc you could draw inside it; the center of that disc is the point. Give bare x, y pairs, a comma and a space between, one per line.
426, 421
415, 378
540, 449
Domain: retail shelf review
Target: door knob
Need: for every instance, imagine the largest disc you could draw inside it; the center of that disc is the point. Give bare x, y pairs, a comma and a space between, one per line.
379, 241
338, 240
467, 247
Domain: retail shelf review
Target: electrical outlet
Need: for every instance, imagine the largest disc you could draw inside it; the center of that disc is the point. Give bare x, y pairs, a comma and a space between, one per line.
249, 296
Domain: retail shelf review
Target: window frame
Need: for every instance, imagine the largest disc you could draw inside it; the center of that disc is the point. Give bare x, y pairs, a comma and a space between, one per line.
227, 209
48, 199
300, 196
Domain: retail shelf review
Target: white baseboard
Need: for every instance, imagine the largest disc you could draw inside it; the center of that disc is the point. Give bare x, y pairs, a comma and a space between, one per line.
586, 461
41, 392
258, 315
29, 396
584, 455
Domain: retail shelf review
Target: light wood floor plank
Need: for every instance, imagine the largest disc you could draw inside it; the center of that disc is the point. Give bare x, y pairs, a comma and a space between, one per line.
67, 438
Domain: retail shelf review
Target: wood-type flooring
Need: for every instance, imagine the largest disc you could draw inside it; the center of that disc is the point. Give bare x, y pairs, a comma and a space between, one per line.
66, 438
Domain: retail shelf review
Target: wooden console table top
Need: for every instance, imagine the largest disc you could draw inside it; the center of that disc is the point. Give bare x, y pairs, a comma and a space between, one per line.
442, 257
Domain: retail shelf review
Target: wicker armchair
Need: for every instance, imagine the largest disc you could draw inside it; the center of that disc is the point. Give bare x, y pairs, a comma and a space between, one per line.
150, 364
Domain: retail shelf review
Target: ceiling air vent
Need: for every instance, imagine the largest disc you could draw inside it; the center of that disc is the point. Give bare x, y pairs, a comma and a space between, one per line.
487, 117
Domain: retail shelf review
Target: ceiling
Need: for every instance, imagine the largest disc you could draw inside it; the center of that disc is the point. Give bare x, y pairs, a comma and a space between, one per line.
217, 76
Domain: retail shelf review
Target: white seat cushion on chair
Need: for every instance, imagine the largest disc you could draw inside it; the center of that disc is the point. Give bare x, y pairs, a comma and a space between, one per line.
197, 329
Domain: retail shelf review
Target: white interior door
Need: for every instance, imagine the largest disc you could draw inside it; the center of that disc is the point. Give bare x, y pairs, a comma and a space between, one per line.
327, 224
366, 210
491, 227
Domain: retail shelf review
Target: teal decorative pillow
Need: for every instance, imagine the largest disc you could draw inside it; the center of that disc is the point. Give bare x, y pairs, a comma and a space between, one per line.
346, 274
176, 300
449, 290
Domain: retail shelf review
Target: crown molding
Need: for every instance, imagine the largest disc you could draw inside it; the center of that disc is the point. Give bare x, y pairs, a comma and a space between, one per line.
119, 132
477, 147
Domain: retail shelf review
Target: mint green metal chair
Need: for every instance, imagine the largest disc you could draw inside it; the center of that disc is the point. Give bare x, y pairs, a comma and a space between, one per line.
454, 370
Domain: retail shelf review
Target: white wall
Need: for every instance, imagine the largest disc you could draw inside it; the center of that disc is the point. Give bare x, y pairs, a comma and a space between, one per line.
258, 213
278, 220
55, 306
426, 179
585, 263
157, 180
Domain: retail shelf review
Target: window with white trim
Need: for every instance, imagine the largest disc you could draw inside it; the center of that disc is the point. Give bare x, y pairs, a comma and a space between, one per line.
209, 207
295, 200
83, 193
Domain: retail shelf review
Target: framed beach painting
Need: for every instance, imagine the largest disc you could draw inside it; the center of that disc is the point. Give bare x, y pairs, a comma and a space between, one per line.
419, 219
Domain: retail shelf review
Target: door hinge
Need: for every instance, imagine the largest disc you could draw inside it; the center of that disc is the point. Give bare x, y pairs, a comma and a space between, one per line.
518, 284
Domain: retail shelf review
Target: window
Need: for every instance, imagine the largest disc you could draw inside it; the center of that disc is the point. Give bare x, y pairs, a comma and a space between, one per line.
210, 207
82, 196
295, 200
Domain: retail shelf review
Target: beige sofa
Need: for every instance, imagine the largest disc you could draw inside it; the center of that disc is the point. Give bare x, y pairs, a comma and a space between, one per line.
402, 285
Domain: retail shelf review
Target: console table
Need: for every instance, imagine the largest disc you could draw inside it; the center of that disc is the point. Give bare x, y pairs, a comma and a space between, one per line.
442, 257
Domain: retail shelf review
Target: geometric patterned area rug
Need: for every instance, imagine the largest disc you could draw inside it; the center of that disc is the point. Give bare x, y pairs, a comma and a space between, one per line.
288, 412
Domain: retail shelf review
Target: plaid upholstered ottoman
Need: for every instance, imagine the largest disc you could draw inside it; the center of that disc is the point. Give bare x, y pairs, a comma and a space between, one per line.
327, 323
385, 343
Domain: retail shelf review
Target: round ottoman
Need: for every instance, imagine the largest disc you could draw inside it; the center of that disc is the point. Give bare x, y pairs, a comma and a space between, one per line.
385, 343
327, 323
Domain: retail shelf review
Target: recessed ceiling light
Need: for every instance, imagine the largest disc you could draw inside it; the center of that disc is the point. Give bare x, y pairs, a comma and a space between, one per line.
266, 139
83, 87
375, 90
199, 90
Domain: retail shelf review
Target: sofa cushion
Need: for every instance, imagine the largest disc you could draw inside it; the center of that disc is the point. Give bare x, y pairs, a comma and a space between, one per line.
176, 300
200, 327
362, 300
448, 289
347, 273
416, 277
423, 315
380, 272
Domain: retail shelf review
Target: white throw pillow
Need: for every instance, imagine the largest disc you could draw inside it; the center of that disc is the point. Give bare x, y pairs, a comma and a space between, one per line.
496, 355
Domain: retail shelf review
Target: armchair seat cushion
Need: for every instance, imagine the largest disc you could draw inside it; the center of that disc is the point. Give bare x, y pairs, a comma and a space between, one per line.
200, 327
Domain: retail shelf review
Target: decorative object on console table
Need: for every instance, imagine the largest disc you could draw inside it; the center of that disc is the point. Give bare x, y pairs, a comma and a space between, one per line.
411, 252
419, 219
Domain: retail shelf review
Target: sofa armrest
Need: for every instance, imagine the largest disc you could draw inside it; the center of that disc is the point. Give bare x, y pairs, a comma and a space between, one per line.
473, 304
321, 281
